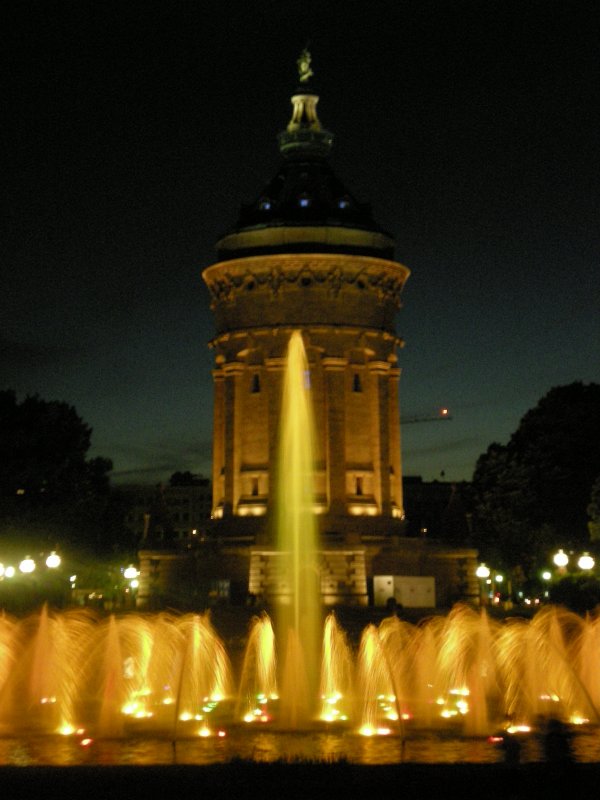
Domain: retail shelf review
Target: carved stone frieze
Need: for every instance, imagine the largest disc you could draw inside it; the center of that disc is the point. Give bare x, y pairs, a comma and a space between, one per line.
385, 278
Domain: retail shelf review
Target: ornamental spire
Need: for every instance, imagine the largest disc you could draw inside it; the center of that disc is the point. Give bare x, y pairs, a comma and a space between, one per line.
304, 134
305, 73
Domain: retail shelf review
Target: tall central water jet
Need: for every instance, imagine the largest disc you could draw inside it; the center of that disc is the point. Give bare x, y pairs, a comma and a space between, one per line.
298, 615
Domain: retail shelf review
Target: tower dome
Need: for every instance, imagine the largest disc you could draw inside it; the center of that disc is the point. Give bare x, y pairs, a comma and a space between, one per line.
305, 205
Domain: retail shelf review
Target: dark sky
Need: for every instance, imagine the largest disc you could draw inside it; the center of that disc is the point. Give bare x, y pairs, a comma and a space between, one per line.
133, 131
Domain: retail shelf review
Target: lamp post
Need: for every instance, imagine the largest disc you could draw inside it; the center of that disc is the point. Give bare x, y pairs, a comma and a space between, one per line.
131, 574
498, 579
483, 573
561, 559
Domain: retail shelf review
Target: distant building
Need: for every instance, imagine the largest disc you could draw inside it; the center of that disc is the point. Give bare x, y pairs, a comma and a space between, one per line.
162, 513
436, 509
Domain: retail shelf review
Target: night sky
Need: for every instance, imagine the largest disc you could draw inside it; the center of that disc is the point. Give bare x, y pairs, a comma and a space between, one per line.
133, 131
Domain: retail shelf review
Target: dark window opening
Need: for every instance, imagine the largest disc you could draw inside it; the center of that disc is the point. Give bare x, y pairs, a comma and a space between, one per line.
255, 384
254, 487
359, 486
356, 384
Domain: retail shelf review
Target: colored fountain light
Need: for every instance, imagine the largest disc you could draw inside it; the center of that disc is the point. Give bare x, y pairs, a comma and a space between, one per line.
157, 673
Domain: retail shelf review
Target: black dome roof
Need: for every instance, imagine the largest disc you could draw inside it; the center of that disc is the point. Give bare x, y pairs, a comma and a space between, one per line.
305, 191
305, 194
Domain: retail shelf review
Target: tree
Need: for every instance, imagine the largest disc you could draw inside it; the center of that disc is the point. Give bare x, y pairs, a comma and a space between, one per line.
48, 487
532, 494
593, 511
187, 478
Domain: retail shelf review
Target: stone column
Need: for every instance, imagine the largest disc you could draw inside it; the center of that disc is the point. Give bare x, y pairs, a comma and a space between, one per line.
379, 398
218, 465
334, 370
233, 372
395, 443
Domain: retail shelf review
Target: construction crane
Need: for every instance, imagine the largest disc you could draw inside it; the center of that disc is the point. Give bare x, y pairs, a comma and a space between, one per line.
442, 414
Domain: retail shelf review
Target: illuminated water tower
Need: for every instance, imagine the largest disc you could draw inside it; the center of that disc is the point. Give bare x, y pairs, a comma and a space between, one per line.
305, 254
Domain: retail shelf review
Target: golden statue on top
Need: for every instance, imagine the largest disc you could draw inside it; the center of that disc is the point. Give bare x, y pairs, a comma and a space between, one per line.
304, 70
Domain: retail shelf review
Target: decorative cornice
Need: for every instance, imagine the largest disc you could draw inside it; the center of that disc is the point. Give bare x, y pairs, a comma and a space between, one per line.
332, 273
334, 363
379, 367
364, 336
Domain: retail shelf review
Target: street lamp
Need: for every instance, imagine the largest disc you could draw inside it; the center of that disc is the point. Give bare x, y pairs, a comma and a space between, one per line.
482, 572
586, 562
130, 573
496, 585
27, 565
546, 577
561, 559
53, 561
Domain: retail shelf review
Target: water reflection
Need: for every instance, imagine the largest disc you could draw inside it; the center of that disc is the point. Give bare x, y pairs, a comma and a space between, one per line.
266, 747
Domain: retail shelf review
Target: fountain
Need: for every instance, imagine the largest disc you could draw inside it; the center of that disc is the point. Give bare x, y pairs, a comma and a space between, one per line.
172, 675
298, 613
73, 670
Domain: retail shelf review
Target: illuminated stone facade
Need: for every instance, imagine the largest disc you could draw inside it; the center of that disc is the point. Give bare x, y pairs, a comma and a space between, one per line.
344, 306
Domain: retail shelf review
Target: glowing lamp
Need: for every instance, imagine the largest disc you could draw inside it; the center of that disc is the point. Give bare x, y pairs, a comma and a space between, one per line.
130, 573
561, 559
27, 565
482, 571
1, 570
546, 575
9, 572
586, 562
53, 560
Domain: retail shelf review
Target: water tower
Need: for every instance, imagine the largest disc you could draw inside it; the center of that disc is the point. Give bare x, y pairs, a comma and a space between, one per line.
305, 254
